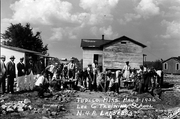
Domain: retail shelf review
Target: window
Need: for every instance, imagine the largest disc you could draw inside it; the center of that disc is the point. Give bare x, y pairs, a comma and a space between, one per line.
123, 42
165, 66
177, 66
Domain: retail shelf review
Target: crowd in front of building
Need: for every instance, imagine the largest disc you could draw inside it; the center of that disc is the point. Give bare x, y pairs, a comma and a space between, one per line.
141, 80
63, 76
30, 76
24, 75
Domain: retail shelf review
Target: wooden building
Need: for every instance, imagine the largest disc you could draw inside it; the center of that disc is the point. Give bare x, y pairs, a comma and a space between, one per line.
172, 65
112, 54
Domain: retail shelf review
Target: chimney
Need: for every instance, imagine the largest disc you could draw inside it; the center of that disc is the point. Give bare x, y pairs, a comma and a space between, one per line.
102, 37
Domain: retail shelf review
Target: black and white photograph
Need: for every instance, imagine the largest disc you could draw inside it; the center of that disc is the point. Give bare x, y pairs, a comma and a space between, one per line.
90, 59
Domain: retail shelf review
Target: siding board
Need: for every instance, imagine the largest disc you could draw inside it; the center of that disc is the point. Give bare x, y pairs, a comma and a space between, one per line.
171, 67
117, 54
88, 56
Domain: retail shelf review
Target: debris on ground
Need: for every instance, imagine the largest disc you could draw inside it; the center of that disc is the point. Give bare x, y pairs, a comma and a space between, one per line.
52, 106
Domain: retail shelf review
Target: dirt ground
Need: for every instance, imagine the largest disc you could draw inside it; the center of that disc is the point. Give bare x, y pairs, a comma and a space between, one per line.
100, 105
96, 107
84, 106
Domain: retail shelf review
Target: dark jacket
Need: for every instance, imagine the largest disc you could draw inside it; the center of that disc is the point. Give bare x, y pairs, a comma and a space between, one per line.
10, 69
20, 68
39, 67
29, 68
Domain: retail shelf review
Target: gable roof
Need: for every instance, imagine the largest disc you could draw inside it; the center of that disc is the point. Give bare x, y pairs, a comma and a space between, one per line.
124, 38
95, 43
175, 58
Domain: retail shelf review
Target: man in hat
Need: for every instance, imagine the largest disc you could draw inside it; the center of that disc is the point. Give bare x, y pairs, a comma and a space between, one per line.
21, 75
30, 77
39, 67
90, 76
11, 74
71, 68
2, 74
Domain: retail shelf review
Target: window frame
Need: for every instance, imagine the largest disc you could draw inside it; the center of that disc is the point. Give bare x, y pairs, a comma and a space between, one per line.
165, 66
177, 68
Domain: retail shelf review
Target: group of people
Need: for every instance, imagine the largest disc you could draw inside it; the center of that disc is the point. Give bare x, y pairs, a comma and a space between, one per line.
141, 80
31, 75
63, 76
24, 75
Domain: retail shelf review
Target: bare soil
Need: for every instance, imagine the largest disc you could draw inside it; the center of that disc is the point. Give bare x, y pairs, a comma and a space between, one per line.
91, 105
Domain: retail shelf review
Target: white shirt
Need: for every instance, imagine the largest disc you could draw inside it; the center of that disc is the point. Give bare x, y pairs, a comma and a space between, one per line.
145, 69
159, 73
71, 65
127, 68
40, 80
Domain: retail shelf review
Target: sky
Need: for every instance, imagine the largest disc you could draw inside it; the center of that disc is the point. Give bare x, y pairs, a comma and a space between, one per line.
63, 23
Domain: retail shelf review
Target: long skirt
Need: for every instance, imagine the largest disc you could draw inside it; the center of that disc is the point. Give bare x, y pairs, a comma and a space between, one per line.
126, 74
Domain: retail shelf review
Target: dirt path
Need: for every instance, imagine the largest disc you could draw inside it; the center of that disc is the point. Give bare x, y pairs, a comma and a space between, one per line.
89, 105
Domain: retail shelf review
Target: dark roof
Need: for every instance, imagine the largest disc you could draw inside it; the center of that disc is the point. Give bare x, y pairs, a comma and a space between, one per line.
175, 58
96, 43
125, 38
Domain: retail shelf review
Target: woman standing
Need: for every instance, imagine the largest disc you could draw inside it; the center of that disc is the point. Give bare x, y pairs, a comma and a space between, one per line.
126, 70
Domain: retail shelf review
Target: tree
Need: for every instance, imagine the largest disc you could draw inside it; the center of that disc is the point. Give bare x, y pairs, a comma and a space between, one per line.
158, 65
23, 37
77, 62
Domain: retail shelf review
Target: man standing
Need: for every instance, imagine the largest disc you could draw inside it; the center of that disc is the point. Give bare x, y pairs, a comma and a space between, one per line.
95, 71
11, 74
140, 79
90, 76
21, 75
3, 74
71, 68
30, 77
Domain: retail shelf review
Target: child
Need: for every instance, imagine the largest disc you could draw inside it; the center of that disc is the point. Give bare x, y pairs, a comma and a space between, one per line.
42, 84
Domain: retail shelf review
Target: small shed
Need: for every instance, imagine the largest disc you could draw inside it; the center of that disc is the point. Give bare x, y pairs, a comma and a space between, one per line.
112, 54
172, 65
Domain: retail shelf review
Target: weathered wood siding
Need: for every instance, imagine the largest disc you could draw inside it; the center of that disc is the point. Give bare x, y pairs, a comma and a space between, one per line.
117, 54
171, 67
88, 56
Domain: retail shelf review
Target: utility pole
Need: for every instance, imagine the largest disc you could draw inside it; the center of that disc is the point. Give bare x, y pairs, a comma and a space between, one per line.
144, 58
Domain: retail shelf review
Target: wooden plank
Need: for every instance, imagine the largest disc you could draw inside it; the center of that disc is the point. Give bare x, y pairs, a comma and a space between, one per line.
125, 48
117, 54
123, 58
120, 65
